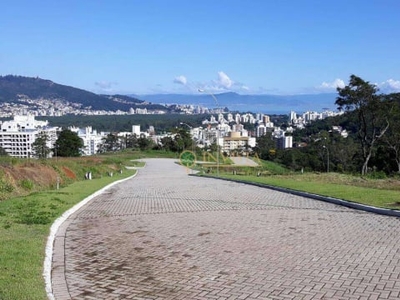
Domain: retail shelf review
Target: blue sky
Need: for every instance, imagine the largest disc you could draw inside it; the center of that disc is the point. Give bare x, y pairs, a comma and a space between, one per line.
174, 46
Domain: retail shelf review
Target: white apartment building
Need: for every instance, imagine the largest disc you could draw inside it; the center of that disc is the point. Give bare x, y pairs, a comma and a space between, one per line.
284, 142
236, 141
136, 130
263, 128
91, 139
18, 143
18, 135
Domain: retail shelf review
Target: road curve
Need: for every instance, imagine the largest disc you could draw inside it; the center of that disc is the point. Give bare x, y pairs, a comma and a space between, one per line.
166, 235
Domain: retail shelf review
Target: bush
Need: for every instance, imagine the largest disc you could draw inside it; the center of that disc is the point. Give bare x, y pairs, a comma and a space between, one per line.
36, 217
377, 175
6, 187
27, 184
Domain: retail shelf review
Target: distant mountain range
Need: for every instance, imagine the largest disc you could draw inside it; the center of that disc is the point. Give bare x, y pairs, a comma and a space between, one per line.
269, 104
16, 89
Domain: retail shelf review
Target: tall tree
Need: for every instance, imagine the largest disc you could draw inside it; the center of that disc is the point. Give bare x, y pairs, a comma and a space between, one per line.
131, 141
392, 138
145, 143
265, 147
68, 144
110, 143
361, 96
183, 139
169, 144
39, 146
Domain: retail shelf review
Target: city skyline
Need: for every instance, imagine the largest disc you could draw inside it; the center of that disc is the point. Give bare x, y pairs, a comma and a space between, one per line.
152, 47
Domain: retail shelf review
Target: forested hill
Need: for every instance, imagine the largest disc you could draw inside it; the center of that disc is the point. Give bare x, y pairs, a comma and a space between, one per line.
19, 88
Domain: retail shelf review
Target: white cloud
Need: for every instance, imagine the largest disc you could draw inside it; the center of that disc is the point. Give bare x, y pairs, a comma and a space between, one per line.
332, 85
390, 86
180, 80
105, 86
224, 81
220, 85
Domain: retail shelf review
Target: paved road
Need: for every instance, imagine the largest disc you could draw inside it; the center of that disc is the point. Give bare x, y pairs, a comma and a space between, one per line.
243, 161
167, 235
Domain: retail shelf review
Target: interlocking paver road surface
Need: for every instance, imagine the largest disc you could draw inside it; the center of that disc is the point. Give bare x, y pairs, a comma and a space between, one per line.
167, 235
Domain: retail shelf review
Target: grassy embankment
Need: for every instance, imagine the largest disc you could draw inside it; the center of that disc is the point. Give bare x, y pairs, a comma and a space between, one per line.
384, 193
25, 220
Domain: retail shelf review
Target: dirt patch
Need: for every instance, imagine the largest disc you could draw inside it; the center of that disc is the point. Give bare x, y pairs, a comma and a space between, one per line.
23, 179
40, 175
68, 173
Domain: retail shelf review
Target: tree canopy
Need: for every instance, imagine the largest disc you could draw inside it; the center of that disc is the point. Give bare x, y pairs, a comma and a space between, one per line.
39, 146
68, 144
371, 110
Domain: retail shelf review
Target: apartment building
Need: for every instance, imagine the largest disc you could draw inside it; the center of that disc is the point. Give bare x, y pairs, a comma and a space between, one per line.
284, 142
18, 135
91, 139
235, 141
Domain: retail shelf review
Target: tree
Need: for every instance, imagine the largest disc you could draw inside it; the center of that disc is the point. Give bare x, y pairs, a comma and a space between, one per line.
68, 144
343, 153
39, 146
110, 143
145, 143
392, 138
183, 139
266, 147
3, 152
361, 96
131, 141
169, 144
178, 142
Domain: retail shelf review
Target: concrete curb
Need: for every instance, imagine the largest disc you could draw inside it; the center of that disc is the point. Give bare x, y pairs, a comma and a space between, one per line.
47, 268
354, 205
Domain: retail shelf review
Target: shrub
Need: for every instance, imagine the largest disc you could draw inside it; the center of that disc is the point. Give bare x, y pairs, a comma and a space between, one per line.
377, 175
27, 184
36, 217
6, 187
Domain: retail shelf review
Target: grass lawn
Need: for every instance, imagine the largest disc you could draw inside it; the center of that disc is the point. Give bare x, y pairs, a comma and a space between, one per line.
379, 193
24, 227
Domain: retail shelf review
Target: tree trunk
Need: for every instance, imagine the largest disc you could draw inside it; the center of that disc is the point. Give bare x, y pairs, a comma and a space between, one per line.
364, 170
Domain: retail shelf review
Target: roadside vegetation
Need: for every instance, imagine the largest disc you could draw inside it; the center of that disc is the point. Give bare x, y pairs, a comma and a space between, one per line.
368, 190
34, 194
382, 193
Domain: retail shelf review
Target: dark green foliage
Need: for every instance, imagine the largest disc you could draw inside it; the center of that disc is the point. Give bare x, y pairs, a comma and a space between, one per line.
177, 142
371, 110
113, 123
131, 141
392, 138
373, 123
39, 146
68, 144
111, 143
377, 175
145, 143
3, 152
266, 147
